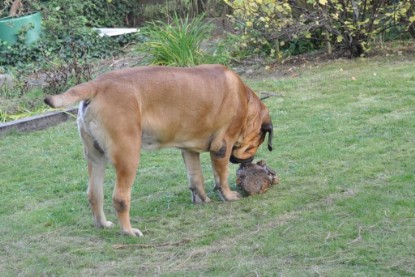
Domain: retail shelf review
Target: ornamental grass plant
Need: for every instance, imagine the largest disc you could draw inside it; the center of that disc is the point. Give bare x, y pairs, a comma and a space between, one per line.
176, 42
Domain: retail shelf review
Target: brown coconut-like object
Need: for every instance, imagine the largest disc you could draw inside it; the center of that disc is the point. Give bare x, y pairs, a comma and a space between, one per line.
256, 178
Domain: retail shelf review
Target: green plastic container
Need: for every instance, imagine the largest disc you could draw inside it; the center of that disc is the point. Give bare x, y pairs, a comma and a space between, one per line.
11, 26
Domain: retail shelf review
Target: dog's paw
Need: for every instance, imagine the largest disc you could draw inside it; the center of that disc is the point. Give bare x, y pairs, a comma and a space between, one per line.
196, 199
108, 224
137, 232
230, 195
104, 224
133, 232
207, 200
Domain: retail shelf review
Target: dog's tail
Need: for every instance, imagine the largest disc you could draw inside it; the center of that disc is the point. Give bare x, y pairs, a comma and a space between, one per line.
75, 94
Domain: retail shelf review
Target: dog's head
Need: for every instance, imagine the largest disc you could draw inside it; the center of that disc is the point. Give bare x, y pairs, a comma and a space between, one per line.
258, 125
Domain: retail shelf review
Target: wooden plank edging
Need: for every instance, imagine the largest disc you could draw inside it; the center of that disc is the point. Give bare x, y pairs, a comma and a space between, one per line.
38, 122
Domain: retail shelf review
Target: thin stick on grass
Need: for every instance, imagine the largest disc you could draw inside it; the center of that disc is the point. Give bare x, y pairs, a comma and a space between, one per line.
327, 237
359, 236
267, 94
157, 245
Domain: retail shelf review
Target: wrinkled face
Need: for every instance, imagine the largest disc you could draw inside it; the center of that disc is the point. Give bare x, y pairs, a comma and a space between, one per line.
244, 150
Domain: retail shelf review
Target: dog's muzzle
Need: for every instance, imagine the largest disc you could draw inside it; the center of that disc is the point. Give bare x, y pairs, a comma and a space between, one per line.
235, 160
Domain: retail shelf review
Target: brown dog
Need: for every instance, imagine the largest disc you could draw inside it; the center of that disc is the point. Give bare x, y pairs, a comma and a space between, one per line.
198, 109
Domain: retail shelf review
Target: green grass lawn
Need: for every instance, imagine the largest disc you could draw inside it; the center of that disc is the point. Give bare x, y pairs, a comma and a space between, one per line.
344, 149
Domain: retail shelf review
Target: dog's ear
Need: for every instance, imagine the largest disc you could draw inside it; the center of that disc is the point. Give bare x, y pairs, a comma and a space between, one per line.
266, 125
268, 128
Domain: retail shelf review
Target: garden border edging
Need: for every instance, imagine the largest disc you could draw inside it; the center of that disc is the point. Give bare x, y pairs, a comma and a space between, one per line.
38, 122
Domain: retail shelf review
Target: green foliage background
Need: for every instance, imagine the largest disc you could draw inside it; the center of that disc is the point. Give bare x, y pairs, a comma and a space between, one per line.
70, 48
269, 27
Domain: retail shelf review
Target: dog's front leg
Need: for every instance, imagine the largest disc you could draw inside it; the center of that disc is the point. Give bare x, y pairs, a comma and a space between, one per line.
221, 171
195, 176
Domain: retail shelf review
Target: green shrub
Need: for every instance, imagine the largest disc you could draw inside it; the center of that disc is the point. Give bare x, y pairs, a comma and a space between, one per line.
66, 23
269, 27
354, 24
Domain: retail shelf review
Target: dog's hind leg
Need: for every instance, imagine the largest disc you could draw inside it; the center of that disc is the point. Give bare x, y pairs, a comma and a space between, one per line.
195, 176
96, 170
125, 157
97, 161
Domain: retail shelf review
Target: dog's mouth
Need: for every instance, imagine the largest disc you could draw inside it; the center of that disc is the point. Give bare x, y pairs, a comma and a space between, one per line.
235, 160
